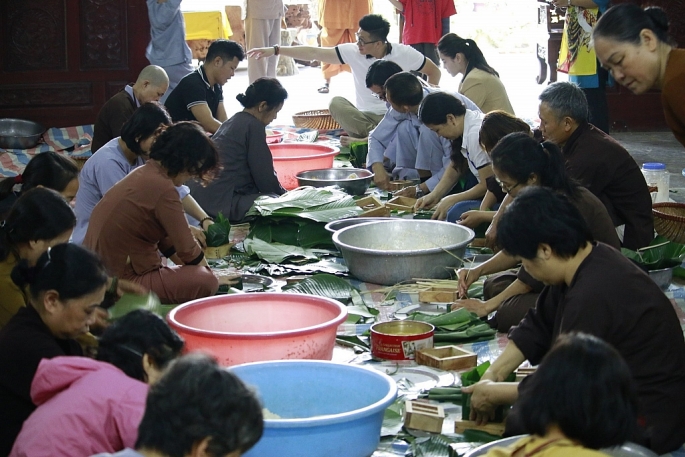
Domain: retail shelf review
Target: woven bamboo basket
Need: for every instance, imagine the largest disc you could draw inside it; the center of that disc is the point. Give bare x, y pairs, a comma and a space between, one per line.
669, 220
319, 119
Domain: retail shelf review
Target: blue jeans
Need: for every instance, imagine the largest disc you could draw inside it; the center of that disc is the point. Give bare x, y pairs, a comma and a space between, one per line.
455, 212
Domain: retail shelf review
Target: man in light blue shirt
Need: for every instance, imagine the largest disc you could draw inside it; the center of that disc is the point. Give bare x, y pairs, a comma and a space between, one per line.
168, 47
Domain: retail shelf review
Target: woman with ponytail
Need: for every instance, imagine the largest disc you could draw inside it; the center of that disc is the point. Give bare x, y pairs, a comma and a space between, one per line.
66, 284
47, 169
248, 169
519, 161
635, 46
480, 82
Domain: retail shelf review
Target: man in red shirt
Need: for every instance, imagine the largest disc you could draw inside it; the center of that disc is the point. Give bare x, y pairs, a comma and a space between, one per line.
425, 22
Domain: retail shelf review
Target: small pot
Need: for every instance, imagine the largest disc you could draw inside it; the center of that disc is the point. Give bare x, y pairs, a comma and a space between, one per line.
662, 277
399, 340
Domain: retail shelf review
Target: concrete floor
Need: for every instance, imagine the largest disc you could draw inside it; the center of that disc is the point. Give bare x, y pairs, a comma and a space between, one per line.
643, 146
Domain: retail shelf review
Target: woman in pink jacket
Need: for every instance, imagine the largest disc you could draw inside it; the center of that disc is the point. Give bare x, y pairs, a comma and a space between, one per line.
90, 406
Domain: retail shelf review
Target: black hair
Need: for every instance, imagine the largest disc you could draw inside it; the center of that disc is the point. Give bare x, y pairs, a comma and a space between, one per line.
39, 214
185, 147
405, 89
197, 399
434, 110
267, 90
72, 270
624, 22
585, 388
137, 333
452, 44
496, 125
379, 72
226, 49
145, 121
539, 215
47, 169
376, 26
520, 156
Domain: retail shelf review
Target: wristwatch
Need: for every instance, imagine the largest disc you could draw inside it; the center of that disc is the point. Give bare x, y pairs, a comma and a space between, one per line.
419, 191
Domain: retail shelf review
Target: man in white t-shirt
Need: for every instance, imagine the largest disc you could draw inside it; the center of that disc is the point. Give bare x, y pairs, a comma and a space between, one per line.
372, 44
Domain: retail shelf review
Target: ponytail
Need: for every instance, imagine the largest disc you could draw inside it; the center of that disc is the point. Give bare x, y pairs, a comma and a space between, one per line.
451, 44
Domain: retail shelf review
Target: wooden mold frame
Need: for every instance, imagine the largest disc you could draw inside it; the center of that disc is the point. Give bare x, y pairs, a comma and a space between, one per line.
493, 428
448, 358
420, 415
372, 207
394, 186
401, 204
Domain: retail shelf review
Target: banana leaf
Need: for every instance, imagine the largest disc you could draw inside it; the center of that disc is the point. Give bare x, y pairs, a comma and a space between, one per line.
323, 285
276, 252
131, 302
321, 205
292, 231
217, 233
660, 253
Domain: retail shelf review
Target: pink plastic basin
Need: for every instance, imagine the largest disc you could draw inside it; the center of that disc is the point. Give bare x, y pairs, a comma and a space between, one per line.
243, 328
274, 138
292, 158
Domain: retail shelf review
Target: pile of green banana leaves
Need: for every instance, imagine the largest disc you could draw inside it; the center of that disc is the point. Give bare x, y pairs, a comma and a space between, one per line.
459, 326
660, 253
292, 225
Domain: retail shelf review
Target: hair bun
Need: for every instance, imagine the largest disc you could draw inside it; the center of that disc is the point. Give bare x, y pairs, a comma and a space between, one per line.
241, 97
23, 274
658, 16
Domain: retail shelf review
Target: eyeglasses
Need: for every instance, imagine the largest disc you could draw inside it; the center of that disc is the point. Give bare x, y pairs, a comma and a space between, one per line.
364, 43
504, 186
380, 96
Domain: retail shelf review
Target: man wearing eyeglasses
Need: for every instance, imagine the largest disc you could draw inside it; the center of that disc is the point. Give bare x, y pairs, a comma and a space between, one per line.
372, 44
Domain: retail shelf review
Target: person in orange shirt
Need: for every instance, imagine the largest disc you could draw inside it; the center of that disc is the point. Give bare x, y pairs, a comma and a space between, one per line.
338, 22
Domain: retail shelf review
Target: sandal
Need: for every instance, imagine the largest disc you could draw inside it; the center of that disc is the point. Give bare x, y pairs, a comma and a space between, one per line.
324, 89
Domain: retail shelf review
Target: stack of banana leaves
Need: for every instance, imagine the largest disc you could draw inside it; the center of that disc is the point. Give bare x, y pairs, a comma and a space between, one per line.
459, 326
291, 226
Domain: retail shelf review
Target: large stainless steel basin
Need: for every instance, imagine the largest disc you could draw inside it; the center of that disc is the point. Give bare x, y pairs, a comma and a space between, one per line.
392, 251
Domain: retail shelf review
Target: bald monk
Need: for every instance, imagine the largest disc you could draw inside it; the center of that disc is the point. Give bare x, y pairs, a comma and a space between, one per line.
151, 85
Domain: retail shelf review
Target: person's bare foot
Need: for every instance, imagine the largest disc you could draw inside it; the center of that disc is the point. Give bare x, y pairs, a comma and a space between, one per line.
345, 140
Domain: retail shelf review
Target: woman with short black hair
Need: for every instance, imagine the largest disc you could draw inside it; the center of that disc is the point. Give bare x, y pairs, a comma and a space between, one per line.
248, 170
142, 215
66, 285
581, 397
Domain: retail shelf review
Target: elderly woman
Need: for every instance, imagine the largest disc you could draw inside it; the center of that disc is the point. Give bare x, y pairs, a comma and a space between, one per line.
480, 81
248, 169
590, 288
634, 45
47, 169
90, 406
447, 116
518, 162
66, 284
581, 398
143, 215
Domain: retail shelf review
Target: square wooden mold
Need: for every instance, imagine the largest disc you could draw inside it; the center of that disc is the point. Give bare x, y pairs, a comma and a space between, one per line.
394, 186
401, 204
447, 358
420, 415
369, 202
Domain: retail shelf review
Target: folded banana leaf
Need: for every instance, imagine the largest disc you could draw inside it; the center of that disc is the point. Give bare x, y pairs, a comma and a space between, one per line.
276, 252
131, 302
660, 253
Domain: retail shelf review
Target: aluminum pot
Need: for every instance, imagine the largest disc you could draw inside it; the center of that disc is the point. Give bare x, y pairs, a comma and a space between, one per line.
662, 277
388, 252
19, 133
399, 340
337, 177
350, 221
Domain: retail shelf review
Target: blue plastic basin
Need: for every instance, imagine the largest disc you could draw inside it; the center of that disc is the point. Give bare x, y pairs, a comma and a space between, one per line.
328, 409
